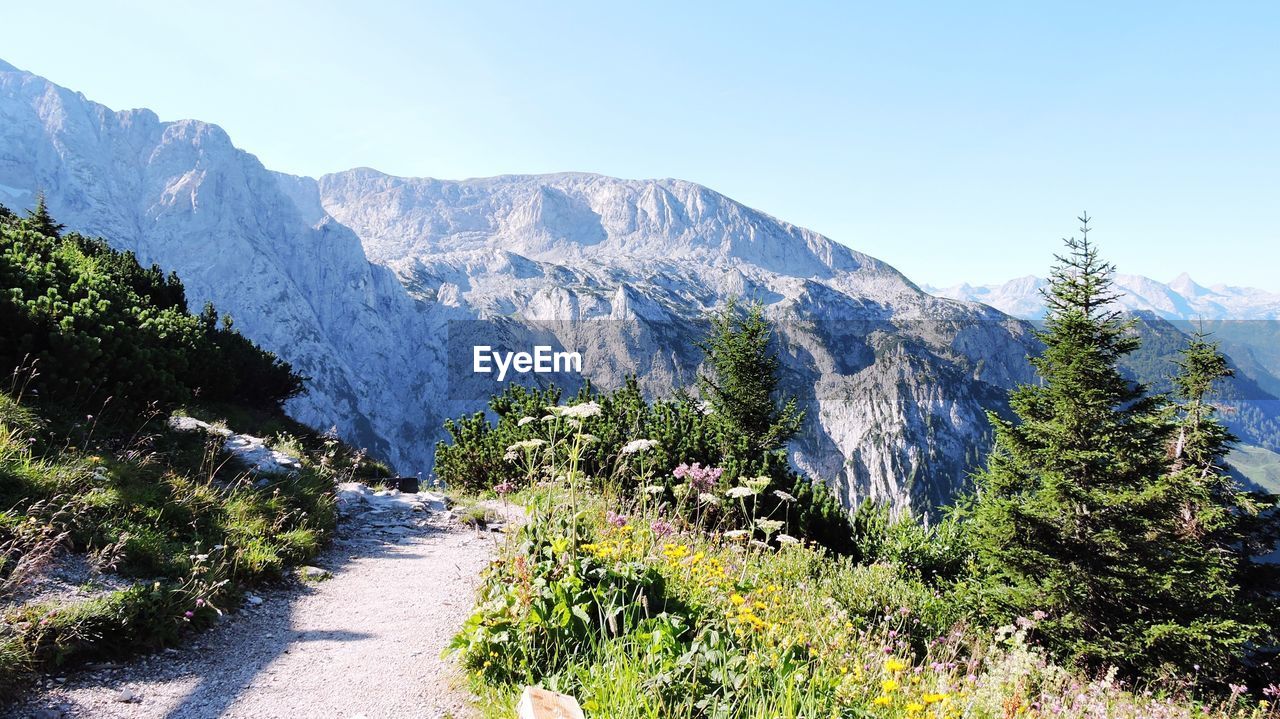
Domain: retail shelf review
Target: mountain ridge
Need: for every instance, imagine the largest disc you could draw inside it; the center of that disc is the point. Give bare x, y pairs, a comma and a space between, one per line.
364, 282
1182, 298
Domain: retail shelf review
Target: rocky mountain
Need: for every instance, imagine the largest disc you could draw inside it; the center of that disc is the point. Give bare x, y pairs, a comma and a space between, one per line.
378, 288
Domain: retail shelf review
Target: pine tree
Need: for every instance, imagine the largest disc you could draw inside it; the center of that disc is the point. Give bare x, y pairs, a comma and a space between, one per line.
41, 221
742, 386
1080, 512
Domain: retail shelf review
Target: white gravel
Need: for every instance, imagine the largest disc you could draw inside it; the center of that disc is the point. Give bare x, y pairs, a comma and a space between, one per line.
365, 643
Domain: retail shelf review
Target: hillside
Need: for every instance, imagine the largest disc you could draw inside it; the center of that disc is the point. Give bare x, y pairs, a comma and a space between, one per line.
134, 504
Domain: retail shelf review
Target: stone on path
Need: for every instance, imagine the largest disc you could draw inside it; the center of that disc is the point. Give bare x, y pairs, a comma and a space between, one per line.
542, 704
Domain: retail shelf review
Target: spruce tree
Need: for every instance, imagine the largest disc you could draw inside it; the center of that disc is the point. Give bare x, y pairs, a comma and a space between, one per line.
41, 221
742, 385
1081, 513
1226, 529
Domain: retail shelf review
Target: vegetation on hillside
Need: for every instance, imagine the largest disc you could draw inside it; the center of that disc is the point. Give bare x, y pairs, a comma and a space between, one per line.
1105, 567
98, 330
165, 528
682, 452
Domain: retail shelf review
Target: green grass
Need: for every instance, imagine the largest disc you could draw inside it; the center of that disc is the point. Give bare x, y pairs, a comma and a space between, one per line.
1259, 465
162, 507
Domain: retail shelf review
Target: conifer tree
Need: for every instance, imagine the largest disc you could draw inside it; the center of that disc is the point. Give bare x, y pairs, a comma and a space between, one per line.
1216, 516
1081, 512
742, 386
41, 221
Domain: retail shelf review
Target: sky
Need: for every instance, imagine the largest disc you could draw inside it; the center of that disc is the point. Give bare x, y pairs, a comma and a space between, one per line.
956, 141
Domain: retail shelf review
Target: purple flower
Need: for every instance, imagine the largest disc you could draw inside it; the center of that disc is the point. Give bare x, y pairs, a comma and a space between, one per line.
189, 614
661, 527
617, 520
701, 479
504, 488
200, 602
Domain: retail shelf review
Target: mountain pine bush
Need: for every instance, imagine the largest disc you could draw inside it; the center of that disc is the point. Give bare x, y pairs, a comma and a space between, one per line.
82, 323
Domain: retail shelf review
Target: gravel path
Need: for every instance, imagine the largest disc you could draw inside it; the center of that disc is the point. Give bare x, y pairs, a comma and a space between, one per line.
364, 643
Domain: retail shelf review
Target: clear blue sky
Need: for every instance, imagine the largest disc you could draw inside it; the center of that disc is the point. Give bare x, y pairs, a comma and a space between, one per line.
954, 140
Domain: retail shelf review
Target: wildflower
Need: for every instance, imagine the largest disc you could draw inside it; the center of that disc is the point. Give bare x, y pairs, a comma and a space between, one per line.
675, 551
638, 445
189, 614
503, 488
709, 498
525, 420
577, 411
882, 701
915, 707
768, 526
895, 665
934, 698
757, 484
889, 685
737, 534
525, 445
615, 519
701, 478
787, 539
739, 492
784, 496
661, 528
200, 602
653, 489
737, 599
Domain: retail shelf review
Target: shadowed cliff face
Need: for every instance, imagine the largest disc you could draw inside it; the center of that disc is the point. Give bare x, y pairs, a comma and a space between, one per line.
369, 284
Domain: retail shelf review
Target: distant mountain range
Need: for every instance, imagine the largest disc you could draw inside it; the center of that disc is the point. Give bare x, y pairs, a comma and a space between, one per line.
1180, 299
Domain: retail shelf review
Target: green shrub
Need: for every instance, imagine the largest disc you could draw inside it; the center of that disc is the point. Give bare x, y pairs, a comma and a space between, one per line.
88, 324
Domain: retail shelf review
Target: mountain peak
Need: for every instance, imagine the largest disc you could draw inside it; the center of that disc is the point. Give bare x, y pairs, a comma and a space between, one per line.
1187, 287
6, 67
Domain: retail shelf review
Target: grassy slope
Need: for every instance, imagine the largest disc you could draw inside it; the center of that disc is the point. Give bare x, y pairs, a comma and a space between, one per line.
1258, 465
700, 624
168, 514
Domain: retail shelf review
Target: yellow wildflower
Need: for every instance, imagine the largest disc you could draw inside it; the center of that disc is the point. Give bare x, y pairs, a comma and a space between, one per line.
895, 665
882, 701
889, 685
